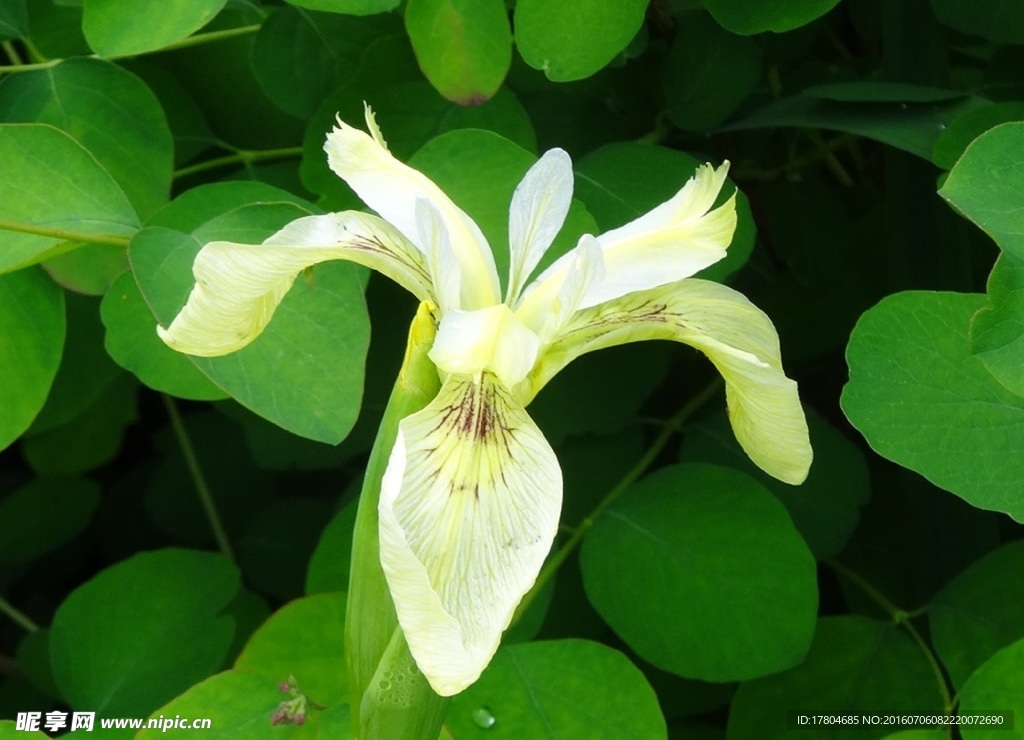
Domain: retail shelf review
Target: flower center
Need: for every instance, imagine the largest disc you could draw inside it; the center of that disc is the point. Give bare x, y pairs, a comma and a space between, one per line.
491, 339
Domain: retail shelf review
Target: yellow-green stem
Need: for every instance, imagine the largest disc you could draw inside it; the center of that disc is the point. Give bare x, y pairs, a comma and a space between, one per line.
246, 158
63, 234
17, 616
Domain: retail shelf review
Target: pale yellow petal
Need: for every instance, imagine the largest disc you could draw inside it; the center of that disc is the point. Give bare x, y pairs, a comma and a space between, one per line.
392, 188
239, 286
673, 241
489, 339
468, 509
764, 407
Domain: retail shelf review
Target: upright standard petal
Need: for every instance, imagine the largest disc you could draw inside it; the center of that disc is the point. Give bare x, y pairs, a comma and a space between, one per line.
392, 188
539, 207
764, 408
674, 241
239, 286
469, 507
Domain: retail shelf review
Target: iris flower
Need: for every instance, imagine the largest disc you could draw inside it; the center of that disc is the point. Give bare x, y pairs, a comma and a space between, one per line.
470, 501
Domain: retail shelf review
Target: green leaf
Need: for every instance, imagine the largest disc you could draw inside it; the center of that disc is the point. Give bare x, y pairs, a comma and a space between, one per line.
571, 41
31, 340
1000, 21
304, 639
13, 19
621, 182
329, 566
300, 56
911, 127
27, 518
997, 331
561, 689
348, 7
779, 15
464, 47
50, 182
91, 439
90, 269
866, 91
968, 127
132, 342
998, 685
9, 731
924, 401
708, 74
110, 112
986, 183
240, 705
826, 508
692, 540
856, 665
305, 371
143, 630
978, 613
114, 28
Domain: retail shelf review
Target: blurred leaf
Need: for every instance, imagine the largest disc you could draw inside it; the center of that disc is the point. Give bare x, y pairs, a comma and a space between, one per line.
912, 127
691, 539
855, 665
273, 448
978, 613
107, 110
143, 630
923, 400
779, 16
32, 327
826, 508
91, 439
570, 41
13, 19
329, 566
997, 685
464, 47
1000, 21
305, 371
562, 689
866, 91
968, 127
621, 182
45, 514
115, 28
304, 639
708, 74
9, 731
240, 705
300, 56
51, 182
349, 7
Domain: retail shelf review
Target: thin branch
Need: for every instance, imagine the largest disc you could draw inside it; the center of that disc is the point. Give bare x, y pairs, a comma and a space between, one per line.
17, 616
246, 158
198, 479
63, 234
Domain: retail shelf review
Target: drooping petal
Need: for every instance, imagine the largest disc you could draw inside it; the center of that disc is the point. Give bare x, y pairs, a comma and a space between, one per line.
392, 188
469, 507
239, 286
764, 408
539, 207
674, 241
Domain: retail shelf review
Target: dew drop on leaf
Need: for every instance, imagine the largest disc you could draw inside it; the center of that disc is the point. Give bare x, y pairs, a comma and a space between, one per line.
483, 718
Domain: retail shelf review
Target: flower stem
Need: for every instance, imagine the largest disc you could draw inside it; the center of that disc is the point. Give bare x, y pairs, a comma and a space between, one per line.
902, 618
17, 616
198, 479
374, 644
246, 158
671, 427
63, 234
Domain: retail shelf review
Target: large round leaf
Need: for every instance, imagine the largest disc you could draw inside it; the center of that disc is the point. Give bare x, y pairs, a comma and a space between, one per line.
143, 630
107, 110
779, 15
116, 28
996, 688
31, 340
923, 400
679, 567
573, 40
555, 690
464, 47
50, 182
